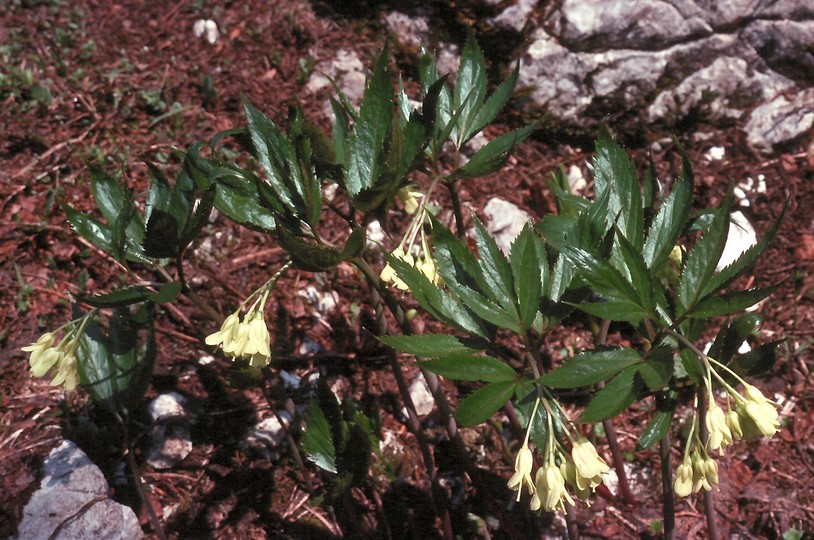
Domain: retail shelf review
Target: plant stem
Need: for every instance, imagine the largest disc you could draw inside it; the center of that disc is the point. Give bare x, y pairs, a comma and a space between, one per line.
610, 433
668, 496
703, 432
148, 505
456, 208
413, 422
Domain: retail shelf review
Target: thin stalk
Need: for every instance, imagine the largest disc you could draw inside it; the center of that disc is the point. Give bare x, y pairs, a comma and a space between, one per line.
703, 432
610, 433
148, 505
438, 495
668, 496
456, 208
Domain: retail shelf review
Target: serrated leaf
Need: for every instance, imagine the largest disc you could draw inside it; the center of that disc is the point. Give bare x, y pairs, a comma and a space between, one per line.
601, 275
656, 429
731, 302
168, 292
591, 367
340, 131
657, 369
466, 366
668, 224
640, 277
355, 243
701, 261
746, 260
497, 272
428, 345
112, 200
758, 361
470, 89
617, 396
692, 365
200, 217
731, 337
161, 236
495, 103
614, 311
527, 255
366, 144
615, 172
90, 229
480, 405
306, 255
493, 155
122, 297
317, 441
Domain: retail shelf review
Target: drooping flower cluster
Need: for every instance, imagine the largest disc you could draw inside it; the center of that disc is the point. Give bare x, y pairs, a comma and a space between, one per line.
581, 470
422, 261
58, 359
752, 416
248, 339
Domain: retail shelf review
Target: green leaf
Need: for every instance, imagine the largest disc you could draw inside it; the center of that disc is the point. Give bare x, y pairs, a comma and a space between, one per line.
591, 367
527, 255
640, 277
355, 243
602, 276
701, 261
340, 131
615, 172
692, 365
614, 311
657, 369
747, 259
428, 345
668, 224
113, 201
366, 144
759, 360
728, 303
481, 404
161, 237
495, 103
308, 256
493, 155
200, 217
496, 269
656, 429
731, 337
617, 396
90, 229
133, 295
470, 90
167, 293
317, 441
465, 366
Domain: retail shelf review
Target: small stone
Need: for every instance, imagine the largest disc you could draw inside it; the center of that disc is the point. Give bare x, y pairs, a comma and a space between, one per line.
166, 406
170, 436
269, 434
504, 222
421, 396
805, 251
73, 497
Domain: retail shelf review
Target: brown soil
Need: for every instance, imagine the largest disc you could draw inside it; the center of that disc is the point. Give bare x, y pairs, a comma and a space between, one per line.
112, 82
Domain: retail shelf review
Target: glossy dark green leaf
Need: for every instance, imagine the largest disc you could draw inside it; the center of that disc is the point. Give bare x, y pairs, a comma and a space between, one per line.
591, 367
308, 255
657, 369
470, 90
161, 236
366, 144
617, 396
692, 366
495, 103
758, 361
616, 173
133, 295
527, 255
200, 217
465, 366
497, 271
317, 441
747, 259
113, 200
601, 275
428, 345
480, 405
355, 244
493, 155
640, 277
656, 429
731, 302
701, 261
668, 224
90, 229
731, 337
614, 311
340, 131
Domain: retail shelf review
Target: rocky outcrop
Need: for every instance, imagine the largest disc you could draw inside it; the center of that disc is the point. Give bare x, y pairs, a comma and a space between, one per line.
663, 62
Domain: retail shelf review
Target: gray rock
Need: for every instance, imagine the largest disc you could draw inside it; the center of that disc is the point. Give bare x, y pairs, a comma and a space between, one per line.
73, 497
515, 16
347, 71
170, 436
269, 434
504, 222
781, 120
421, 396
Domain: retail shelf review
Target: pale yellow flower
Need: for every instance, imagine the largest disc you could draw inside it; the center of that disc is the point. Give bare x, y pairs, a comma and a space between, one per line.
589, 464
43, 355
551, 492
247, 339
227, 332
60, 359
569, 472
699, 474
389, 273
758, 416
523, 463
734, 424
409, 197
720, 436
683, 481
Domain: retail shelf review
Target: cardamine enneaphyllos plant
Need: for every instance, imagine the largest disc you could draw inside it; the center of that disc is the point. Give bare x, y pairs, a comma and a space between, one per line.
635, 254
